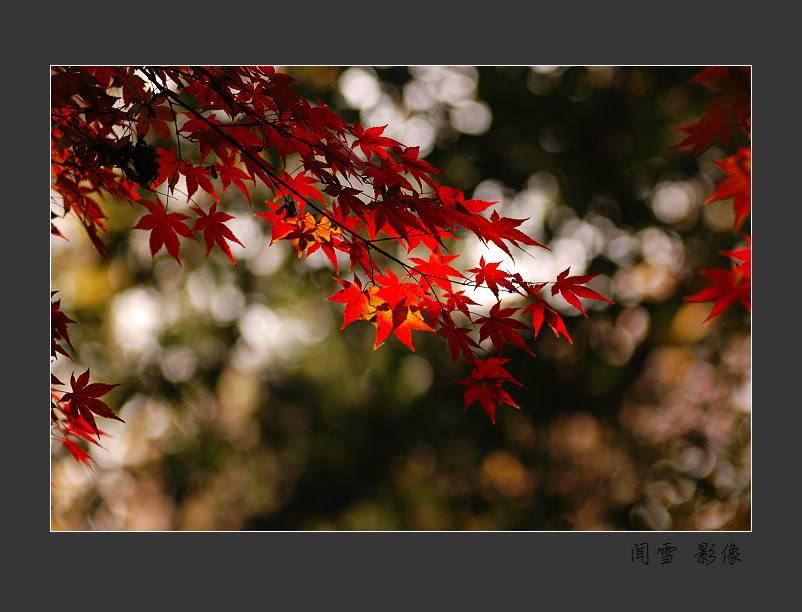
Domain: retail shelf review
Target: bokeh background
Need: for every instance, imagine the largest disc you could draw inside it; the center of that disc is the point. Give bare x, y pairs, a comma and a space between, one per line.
247, 408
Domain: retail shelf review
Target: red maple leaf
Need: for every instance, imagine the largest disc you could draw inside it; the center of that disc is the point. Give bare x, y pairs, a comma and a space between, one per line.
394, 307
357, 301
398, 309
484, 385
505, 229
232, 174
436, 269
305, 232
743, 256
418, 168
400, 319
347, 202
79, 454
501, 327
385, 177
58, 324
206, 136
459, 301
76, 425
737, 185
168, 167
153, 114
702, 133
322, 120
360, 255
164, 228
394, 291
455, 199
733, 86
543, 312
371, 141
83, 400
732, 101
214, 231
132, 86
570, 288
490, 275
459, 340
197, 176
300, 188
728, 286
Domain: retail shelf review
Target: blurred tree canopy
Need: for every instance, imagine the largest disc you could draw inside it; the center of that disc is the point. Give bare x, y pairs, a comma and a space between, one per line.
247, 408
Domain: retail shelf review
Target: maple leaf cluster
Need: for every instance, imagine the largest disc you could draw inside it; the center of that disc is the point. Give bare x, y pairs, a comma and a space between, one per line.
350, 190
729, 111
72, 413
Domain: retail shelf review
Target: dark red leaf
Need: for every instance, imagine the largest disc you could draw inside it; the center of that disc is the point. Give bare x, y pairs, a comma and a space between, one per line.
58, 325
570, 287
501, 327
83, 400
484, 385
214, 230
728, 286
737, 184
164, 228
